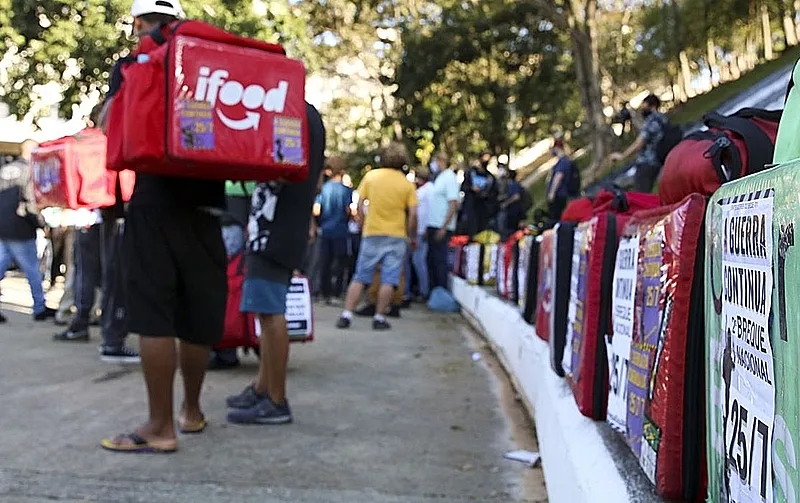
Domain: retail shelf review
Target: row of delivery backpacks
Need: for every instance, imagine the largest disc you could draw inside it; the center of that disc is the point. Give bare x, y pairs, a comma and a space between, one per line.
670, 316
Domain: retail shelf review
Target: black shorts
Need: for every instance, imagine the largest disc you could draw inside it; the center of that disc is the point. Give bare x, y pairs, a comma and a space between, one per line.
176, 274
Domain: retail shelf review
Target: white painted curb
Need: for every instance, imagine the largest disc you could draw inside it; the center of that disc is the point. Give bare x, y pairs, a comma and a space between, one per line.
578, 468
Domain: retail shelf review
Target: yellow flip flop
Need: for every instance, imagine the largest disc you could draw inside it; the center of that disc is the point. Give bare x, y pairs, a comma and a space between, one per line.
138, 445
192, 428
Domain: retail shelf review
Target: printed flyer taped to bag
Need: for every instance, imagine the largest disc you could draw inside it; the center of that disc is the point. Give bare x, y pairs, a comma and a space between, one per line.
623, 299
575, 311
748, 375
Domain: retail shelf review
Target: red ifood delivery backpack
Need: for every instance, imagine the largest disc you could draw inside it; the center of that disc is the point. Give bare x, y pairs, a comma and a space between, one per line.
199, 102
71, 173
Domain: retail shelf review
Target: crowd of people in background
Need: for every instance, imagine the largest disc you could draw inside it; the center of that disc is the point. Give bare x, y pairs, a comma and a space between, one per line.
392, 231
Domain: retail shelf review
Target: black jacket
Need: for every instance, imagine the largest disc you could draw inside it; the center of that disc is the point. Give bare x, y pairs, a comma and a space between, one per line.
18, 215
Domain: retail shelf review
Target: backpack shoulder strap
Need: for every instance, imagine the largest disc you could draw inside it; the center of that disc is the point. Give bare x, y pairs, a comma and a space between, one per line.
759, 113
791, 83
760, 148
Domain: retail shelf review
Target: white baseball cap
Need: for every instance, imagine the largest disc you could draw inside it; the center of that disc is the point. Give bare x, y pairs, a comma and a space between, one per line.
168, 7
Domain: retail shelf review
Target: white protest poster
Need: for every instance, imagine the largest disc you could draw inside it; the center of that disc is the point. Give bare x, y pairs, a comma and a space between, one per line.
619, 347
747, 369
572, 311
299, 311
299, 316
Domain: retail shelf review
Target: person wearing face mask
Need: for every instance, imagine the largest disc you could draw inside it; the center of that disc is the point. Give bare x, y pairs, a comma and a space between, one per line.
443, 199
480, 196
647, 162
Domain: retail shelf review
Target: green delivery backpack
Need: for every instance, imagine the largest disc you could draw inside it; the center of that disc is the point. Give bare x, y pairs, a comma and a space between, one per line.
787, 144
753, 334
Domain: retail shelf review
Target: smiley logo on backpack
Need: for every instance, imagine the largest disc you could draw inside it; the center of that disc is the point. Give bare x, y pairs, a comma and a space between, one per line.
213, 86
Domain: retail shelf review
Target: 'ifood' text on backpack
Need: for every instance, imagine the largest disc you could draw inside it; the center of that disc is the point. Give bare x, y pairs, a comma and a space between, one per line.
199, 102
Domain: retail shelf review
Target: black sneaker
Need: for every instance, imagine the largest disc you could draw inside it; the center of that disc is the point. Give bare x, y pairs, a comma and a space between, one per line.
244, 400
70, 336
45, 315
381, 325
265, 411
119, 355
394, 311
3, 319
343, 322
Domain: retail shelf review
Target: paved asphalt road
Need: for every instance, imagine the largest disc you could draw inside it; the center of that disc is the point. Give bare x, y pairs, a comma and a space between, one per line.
398, 417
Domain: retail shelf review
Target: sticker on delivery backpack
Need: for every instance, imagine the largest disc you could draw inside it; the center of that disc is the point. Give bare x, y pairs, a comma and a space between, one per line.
288, 133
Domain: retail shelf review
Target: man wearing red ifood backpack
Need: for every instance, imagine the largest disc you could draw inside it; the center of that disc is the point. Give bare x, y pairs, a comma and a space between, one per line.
176, 279
279, 230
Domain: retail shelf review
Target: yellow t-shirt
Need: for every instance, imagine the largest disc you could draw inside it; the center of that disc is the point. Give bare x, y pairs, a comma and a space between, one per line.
390, 196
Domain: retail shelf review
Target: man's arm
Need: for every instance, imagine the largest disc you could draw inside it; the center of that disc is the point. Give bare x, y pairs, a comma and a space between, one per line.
312, 229
635, 147
412, 227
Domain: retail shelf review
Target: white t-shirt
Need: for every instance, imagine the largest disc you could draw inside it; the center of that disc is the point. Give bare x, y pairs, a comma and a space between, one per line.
423, 204
445, 189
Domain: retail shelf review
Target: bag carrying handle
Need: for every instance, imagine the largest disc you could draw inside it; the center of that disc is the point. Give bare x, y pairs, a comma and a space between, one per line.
620, 201
759, 146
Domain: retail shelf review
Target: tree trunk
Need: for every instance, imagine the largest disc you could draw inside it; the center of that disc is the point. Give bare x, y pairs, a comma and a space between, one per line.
583, 23
789, 35
686, 75
793, 14
766, 31
711, 59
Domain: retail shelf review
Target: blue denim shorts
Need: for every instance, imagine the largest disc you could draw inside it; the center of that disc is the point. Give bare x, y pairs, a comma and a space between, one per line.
265, 286
262, 296
386, 251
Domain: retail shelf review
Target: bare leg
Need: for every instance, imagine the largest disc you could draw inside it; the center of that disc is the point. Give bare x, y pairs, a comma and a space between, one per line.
385, 295
354, 292
274, 358
158, 366
193, 361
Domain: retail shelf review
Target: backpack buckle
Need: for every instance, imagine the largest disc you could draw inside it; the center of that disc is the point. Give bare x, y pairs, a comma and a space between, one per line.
721, 142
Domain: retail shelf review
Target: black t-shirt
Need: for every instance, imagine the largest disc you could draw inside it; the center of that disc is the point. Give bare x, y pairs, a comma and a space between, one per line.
281, 213
168, 191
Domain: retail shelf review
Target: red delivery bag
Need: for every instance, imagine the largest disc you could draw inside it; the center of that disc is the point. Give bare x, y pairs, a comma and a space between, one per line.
507, 253
565, 262
215, 105
243, 329
589, 312
455, 254
239, 327
733, 146
71, 172
544, 298
577, 210
656, 365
